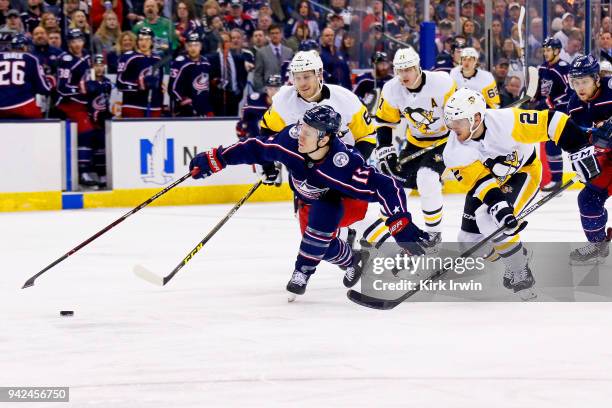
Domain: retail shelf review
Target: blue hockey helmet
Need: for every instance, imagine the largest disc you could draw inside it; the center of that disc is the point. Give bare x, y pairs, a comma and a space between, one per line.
308, 45
75, 34
145, 32
584, 65
552, 42
98, 59
323, 118
193, 38
379, 56
20, 42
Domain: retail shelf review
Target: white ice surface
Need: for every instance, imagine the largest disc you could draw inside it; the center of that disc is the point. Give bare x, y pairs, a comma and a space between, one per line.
222, 333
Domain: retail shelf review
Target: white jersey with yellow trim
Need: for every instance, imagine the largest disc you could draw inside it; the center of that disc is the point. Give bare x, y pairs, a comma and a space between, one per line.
509, 139
482, 81
288, 108
423, 107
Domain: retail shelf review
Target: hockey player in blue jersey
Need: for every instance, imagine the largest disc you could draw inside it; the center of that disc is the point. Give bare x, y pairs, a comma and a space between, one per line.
21, 78
368, 85
137, 79
324, 173
189, 84
591, 106
92, 155
554, 94
257, 104
446, 61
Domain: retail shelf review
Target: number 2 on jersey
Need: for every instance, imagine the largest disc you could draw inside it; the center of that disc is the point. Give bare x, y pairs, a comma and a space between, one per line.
12, 72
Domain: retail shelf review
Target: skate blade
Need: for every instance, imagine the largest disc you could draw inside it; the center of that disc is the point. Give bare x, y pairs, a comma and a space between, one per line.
291, 297
591, 262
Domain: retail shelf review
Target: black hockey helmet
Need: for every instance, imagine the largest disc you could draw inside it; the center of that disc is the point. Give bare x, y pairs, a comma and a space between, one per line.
193, 37
323, 118
274, 81
552, 42
20, 42
98, 59
145, 32
379, 56
75, 34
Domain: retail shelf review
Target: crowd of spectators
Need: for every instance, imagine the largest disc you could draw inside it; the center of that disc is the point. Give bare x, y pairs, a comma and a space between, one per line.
261, 36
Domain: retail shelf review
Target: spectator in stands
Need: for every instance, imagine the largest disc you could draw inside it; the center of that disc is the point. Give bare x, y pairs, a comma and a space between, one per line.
165, 40
606, 24
575, 40
237, 40
303, 15
100, 7
264, 23
333, 62
450, 14
514, 12
349, 50
105, 39
126, 42
605, 43
48, 21
212, 36
134, 12
13, 22
511, 90
302, 33
468, 30
210, 8
31, 17
258, 41
46, 54
568, 22
497, 39
468, 14
227, 78
340, 7
500, 72
238, 19
375, 16
55, 38
4, 9
79, 20
185, 21
269, 59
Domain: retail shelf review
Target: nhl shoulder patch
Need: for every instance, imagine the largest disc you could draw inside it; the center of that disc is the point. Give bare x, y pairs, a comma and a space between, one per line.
340, 159
254, 96
610, 83
67, 57
180, 58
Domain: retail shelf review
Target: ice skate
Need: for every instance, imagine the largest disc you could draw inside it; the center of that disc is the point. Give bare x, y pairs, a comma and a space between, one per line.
297, 285
593, 253
551, 186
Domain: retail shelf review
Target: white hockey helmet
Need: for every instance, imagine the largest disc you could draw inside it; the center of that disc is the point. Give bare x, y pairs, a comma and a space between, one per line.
605, 66
305, 61
406, 58
470, 52
465, 104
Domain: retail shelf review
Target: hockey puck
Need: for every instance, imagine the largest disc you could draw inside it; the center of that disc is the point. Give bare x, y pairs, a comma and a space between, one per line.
66, 313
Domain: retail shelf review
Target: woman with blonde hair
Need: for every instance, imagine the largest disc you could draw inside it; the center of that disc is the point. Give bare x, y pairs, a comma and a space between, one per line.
48, 21
107, 35
79, 20
126, 43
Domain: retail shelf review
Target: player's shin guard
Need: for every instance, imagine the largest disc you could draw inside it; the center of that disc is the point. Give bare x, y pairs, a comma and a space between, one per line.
593, 214
430, 190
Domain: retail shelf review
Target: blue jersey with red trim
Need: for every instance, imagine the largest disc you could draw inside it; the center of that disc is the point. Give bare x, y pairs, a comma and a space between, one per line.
594, 111
21, 78
190, 81
71, 70
132, 68
554, 90
343, 170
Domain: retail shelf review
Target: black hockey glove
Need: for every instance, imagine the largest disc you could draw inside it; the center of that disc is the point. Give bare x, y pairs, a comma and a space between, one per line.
387, 161
585, 163
602, 136
271, 174
503, 213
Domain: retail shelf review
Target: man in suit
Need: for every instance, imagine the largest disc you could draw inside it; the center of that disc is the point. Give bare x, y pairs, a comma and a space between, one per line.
270, 58
228, 77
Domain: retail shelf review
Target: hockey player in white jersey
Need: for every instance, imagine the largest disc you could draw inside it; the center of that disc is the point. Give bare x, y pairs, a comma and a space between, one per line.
468, 75
491, 153
419, 96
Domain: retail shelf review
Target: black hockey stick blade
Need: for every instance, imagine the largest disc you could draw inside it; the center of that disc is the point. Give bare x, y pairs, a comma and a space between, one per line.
149, 276
30, 282
386, 304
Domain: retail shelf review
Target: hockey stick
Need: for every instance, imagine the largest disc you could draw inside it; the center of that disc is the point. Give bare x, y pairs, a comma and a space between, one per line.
423, 151
154, 69
386, 304
532, 88
30, 282
150, 277
520, 22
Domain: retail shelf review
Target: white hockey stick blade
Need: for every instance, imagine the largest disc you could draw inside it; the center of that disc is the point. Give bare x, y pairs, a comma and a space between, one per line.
532, 85
145, 274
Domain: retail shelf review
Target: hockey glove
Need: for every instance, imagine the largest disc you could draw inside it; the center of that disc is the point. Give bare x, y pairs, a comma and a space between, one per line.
206, 163
585, 163
503, 213
406, 234
602, 136
387, 161
271, 174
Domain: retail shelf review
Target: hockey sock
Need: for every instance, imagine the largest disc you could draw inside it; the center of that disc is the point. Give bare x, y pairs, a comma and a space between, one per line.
430, 190
593, 214
339, 253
